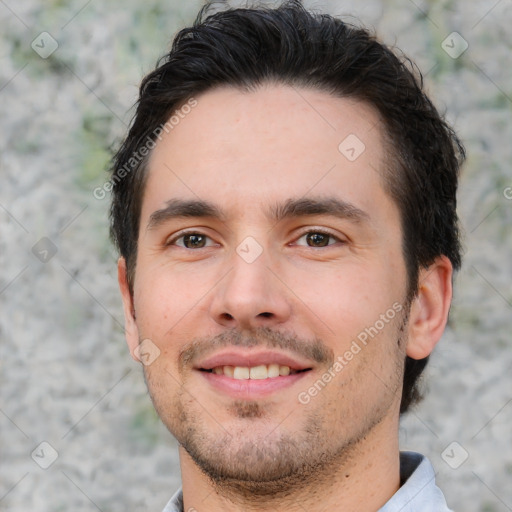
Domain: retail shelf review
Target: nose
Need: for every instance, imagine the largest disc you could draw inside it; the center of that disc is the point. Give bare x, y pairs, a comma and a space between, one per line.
250, 295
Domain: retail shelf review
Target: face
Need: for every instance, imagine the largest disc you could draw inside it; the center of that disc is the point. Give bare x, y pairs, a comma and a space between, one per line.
270, 278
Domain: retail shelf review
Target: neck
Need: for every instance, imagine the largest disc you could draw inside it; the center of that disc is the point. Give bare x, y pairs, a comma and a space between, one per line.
361, 481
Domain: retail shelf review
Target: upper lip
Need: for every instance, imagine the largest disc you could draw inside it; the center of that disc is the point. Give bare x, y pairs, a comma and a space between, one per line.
250, 359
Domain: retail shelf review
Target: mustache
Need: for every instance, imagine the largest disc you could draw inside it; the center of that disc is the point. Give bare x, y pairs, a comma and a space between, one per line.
264, 337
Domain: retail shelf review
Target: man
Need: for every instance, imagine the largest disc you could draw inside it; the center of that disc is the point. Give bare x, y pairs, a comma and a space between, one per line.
284, 206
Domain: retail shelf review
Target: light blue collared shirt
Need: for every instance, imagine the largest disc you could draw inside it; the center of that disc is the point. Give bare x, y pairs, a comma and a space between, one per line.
419, 492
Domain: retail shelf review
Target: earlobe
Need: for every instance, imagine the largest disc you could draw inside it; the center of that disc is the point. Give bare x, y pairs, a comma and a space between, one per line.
131, 329
430, 308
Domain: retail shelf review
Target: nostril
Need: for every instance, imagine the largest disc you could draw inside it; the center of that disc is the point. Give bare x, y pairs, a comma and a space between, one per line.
266, 315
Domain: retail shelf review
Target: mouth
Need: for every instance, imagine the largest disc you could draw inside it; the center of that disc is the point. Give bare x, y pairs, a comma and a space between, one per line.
252, 375
260, 372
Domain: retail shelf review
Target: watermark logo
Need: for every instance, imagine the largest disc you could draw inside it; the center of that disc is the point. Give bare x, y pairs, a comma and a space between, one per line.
352, 147
455, 455
454, 45
146, 352
44, 45
44, 455
44, 250
249, 249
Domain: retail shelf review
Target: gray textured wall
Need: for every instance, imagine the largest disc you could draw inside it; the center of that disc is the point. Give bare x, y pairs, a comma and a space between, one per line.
66, 377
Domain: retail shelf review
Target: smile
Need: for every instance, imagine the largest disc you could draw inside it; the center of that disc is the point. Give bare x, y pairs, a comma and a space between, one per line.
259, 372
252, 374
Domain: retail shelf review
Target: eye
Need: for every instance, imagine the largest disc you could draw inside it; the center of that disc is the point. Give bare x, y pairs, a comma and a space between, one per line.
191, 240
317, 239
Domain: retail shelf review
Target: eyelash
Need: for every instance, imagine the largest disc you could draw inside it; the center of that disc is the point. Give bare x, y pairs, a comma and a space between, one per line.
173, 240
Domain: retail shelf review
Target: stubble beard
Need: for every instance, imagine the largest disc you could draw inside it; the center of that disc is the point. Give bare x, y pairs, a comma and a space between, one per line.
275, 463
268, 466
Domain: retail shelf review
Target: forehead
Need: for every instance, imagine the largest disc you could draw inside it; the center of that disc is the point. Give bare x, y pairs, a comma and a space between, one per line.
244, 150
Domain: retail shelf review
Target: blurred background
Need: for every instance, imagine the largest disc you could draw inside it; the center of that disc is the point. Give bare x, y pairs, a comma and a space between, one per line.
78, 431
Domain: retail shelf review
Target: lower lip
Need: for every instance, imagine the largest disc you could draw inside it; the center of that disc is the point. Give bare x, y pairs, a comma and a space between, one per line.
247, 389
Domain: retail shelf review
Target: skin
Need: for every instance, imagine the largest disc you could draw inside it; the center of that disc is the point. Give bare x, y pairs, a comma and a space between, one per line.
245, 152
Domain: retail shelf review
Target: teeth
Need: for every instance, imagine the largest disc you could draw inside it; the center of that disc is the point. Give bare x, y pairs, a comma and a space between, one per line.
229, 371
273, 370
256, 372
284, 370
241, 372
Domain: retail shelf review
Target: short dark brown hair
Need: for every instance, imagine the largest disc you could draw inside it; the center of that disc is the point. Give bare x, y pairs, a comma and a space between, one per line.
246, 48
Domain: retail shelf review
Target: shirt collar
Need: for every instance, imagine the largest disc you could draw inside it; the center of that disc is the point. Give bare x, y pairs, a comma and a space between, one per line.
418, 492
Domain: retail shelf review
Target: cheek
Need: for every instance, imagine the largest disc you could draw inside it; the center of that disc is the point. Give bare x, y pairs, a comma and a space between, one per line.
165, 298
348, 298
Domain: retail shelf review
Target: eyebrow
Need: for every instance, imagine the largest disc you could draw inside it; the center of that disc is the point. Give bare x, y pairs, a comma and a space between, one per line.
332, 206
182, 208
335, 207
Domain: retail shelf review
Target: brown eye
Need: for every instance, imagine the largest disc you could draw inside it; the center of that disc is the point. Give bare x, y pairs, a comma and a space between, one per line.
194, 241
318, 239
191, 241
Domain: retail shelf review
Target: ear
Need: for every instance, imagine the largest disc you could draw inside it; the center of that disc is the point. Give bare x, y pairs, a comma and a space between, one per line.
131, 330
430, 308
